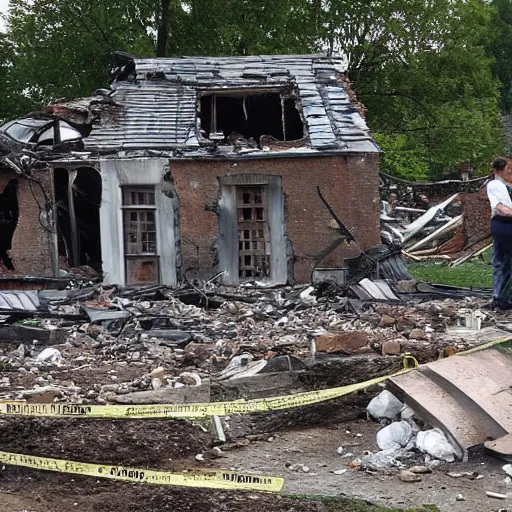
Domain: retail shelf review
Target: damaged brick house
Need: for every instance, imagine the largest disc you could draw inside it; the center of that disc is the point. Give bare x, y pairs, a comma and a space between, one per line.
190, 167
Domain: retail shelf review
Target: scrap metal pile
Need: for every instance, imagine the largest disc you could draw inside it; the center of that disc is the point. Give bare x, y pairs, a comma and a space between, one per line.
446, 220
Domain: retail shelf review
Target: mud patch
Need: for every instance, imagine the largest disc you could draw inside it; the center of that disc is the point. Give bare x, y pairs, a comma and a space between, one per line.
58, 493
124, 442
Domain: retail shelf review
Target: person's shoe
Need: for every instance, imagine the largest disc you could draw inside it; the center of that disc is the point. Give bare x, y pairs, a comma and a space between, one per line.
493, 305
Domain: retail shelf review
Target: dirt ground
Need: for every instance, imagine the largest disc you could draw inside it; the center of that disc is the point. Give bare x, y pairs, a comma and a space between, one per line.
173, 445
317, 449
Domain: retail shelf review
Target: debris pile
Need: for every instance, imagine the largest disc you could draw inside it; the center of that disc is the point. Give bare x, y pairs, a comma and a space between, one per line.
404, 441
447, 220
157, 345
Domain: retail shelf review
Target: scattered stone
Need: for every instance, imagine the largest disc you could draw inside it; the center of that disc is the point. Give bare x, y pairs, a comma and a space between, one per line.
156, 383
386, 321
298, 467
460, 497
340, 471
339, 450
345, 342
418, 334
420, 470
157, 373
200, 457
391, 348
49, 355
409, 477
189, 379
468, 474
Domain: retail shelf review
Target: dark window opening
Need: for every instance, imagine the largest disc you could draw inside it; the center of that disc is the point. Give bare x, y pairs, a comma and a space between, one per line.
78, 216
253, 233
250, 116
87, 198
140, 235
8, 220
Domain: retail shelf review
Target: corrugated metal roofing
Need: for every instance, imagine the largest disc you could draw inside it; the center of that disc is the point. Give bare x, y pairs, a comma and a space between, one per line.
157, 109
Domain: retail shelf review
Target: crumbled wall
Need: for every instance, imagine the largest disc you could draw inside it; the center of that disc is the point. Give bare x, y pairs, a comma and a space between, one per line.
477, 215
31, 243
349, 183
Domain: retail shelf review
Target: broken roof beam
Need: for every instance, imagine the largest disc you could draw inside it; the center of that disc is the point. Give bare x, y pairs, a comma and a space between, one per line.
415, 227
446, 228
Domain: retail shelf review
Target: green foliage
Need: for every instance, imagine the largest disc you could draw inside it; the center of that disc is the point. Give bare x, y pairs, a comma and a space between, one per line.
444, 100
424, 69
399, 159
476, 274
500, 47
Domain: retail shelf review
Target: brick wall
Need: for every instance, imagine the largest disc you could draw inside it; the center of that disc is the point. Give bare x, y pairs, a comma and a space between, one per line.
349, 183
477, 215
30, 251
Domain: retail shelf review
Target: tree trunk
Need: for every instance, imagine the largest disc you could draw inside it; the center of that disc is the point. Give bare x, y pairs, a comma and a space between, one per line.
163, 29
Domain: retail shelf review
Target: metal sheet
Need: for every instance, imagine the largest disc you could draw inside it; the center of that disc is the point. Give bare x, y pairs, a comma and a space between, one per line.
156, 113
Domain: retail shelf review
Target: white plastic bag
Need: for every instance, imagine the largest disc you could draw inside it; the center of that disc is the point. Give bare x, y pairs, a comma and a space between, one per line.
386, 405
49, 355
307, 297
434, 443
394, 436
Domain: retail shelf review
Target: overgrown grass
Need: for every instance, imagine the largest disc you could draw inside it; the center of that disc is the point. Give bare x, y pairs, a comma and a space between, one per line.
476, 274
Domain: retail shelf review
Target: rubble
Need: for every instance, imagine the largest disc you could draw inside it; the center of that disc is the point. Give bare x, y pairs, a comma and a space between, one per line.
453, 228
409, 476
162, 337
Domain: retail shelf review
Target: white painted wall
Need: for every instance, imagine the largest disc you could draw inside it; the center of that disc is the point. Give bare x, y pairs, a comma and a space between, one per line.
116, 173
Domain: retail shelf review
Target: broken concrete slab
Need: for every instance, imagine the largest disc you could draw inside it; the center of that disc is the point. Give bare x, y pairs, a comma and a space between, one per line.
466, 396
479, 387
439, 409
27, 334
500, 448
184, 395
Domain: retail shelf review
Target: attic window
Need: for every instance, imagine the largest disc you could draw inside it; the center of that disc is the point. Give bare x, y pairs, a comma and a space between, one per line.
238, 114
42, 131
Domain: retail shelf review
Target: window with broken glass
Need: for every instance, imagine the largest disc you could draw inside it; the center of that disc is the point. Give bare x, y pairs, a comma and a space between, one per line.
140, 238
253, 232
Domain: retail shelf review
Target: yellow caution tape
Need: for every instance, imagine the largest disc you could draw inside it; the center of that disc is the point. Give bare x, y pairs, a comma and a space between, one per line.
192, 410
212, 478
485, 346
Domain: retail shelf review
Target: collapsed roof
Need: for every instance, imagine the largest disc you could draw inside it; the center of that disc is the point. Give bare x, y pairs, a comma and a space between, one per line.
205, 106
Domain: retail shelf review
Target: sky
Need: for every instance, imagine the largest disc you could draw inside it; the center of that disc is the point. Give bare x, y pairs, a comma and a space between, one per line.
3, 10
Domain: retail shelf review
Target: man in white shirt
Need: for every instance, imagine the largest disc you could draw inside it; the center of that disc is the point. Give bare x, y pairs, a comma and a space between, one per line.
501, 230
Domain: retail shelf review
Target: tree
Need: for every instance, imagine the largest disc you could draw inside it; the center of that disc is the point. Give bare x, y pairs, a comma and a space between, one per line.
432, 95
422, 67
500, 47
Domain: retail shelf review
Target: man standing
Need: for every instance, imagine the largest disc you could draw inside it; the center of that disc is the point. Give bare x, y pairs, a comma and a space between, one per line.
501, 231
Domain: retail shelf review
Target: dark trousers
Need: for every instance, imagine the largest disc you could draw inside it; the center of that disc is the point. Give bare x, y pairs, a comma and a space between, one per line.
501, 231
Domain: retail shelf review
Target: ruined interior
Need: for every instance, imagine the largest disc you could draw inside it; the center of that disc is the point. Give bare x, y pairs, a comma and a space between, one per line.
8, 220
77, 202
249, 114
